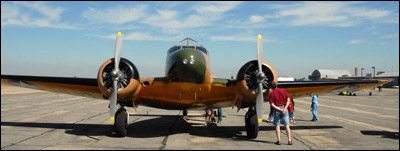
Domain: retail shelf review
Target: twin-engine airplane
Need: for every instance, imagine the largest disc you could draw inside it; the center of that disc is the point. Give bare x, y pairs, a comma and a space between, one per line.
187, 85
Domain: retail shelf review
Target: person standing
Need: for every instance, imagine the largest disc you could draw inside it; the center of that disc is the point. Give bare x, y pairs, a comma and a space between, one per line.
271, 114
314, 107
291, 110
219, 115
279, 100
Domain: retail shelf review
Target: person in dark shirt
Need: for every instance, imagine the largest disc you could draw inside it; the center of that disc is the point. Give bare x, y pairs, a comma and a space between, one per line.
279, 100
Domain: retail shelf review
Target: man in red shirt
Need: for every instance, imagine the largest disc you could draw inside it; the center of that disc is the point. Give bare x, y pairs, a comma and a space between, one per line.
279, 100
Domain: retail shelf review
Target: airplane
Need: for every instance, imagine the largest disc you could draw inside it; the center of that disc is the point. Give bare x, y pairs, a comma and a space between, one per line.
187, 85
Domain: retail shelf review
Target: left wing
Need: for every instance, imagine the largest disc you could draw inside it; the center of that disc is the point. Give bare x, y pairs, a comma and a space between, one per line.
86, 87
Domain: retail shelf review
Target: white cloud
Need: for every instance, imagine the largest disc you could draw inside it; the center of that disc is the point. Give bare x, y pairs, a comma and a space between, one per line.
206, 14
256, 19
333, 14
8, 11
238, 37
42, 8
390, 36
355, 41
138, 36
217, 7
12, 15
116, 15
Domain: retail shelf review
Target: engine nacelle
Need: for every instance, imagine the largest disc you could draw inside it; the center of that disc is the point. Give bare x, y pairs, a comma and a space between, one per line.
128, 85
247, 80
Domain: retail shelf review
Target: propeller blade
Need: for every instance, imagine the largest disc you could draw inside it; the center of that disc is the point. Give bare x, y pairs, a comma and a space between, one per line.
115, 75
113, 101
118, 50
259, 103
260, 97
259, 52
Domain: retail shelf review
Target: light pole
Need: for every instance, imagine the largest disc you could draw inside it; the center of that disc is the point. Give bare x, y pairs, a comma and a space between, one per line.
361, 71
374, 71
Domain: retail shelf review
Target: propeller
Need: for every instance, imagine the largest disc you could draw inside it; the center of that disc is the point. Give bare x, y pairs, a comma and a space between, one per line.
260, 79
115, 76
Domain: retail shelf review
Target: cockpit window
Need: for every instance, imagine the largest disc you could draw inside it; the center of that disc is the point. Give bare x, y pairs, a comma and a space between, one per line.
199, 48
174, 49
187, 47
202, 49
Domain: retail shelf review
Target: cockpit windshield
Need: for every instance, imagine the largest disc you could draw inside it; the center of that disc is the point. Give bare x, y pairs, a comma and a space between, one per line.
198, 48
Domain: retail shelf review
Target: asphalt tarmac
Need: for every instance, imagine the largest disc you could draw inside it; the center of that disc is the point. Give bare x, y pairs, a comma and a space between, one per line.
33, 119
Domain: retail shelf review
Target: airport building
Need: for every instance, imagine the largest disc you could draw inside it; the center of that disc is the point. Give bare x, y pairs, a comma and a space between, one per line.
321, 74
328, 74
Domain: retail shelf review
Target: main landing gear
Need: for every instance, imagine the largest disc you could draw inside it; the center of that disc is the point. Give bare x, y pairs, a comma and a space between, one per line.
185, 114
251, 122
121, 122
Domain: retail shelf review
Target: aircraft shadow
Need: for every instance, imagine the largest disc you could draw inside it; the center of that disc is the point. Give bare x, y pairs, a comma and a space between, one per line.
156, 127
384, 134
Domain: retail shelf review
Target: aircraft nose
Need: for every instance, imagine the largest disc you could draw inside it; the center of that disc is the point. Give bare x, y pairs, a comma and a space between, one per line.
186, 66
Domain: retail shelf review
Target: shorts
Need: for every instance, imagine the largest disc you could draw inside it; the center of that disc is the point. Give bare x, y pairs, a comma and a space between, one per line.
281, 118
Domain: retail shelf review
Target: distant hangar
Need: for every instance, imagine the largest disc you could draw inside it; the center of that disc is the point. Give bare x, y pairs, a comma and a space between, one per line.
328, 74
320, 74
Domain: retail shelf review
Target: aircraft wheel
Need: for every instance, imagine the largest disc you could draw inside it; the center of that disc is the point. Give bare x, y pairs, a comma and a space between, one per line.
121, 122
251, 123
370, 93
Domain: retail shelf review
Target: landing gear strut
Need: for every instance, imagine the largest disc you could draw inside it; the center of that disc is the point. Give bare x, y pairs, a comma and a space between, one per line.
184, 112
251, 123
121, 122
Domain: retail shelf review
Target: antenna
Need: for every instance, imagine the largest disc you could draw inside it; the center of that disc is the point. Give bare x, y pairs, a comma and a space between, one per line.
187, 38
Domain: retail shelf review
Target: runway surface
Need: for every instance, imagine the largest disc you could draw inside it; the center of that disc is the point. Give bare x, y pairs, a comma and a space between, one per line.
33, 119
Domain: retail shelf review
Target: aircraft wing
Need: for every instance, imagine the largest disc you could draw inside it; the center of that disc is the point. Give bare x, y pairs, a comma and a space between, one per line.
86, 87
227, 88
305, 88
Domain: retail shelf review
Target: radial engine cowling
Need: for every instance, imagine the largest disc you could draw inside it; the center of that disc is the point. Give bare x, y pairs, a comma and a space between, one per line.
247, 80
128, 84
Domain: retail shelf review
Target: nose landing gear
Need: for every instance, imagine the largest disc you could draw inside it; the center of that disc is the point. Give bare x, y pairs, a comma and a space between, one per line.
251, 123
121, 122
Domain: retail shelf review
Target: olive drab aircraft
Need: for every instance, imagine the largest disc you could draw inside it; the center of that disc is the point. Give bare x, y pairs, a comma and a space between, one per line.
187, 85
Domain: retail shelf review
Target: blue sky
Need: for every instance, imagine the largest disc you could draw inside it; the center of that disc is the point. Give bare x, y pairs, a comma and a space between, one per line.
75, 38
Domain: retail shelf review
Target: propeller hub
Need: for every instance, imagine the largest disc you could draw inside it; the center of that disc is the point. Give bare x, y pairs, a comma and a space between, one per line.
261, 77
115, 74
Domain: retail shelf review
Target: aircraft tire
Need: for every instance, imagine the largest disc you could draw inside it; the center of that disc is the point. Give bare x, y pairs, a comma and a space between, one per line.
121, 122
251, 124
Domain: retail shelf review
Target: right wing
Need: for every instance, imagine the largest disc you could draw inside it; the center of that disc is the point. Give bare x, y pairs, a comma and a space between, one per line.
306, 88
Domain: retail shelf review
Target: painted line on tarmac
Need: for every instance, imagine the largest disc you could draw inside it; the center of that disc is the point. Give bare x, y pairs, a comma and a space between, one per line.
351, 121
352, 110
56, 113
42, 103
364, 105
